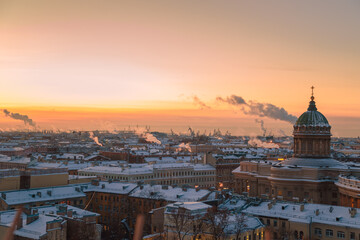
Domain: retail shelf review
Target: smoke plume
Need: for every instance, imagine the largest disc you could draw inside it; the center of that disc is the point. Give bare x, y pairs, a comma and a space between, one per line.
254, 142
259, 109
233, 100
200, 103
18, 116
145, 134
263, 129
184, 146
96, 139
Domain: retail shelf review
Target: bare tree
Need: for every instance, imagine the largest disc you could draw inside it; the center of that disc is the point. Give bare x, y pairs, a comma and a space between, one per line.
239, 225
217, 221
180, 221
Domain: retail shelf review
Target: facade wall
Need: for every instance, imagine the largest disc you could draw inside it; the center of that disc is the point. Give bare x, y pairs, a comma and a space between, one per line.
48, 180
10, 183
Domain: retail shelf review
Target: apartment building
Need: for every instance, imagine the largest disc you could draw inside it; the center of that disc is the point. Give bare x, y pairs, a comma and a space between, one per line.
195, 175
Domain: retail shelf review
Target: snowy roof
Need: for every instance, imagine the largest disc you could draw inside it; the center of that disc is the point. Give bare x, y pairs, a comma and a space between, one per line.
315, 162
131, 169
76, 212
192, 206
114, 187
169, 193
316, 213
41, 194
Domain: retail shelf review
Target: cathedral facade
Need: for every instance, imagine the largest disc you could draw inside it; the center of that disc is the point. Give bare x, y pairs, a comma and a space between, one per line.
310, 175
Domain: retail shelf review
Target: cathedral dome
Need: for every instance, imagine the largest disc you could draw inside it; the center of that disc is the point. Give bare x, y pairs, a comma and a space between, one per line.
312, 134
312, 117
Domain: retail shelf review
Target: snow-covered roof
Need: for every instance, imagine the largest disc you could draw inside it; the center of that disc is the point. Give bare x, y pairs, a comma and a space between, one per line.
41, 194
316, 213
114, 187
169, 193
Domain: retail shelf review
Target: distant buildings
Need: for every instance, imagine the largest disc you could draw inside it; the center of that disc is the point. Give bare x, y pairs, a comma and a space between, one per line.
200, 175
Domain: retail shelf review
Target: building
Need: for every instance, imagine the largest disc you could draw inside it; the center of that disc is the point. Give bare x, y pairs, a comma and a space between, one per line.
200, 175
286, 220
71, 194
120, 203
196, 220
60, 222
309, 175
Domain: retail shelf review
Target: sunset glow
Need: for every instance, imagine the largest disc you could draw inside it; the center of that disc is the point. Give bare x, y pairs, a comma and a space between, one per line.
95, 65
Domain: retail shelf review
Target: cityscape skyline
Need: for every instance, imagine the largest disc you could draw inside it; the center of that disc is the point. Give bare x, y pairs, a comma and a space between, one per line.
120, 64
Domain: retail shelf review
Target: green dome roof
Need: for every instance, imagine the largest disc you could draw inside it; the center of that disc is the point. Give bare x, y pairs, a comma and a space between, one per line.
312, 117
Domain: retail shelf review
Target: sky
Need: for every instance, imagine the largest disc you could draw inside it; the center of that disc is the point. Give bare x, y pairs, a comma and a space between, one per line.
110, 64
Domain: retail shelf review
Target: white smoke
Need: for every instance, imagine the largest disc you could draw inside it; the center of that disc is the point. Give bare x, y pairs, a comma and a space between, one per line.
96, 139
148, 136
254, 142
184, 146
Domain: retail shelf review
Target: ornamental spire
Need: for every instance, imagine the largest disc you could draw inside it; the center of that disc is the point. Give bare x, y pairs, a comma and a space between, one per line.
312, 106
312, 93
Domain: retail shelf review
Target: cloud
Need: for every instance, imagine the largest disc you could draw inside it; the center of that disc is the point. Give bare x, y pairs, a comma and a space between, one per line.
200, 103
259, 109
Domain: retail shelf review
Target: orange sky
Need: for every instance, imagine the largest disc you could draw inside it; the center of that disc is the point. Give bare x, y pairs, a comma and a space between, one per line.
141, 62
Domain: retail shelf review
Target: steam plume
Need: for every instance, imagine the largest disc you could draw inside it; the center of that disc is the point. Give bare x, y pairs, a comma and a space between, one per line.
258, 143
200, 103
183, 145
96, 139
263, 129
18, 116
148, 136
259, 109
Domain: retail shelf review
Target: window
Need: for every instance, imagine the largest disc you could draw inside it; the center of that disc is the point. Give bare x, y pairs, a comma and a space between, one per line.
352, 236
283, 224
268, 222
275, 223
318, 232
340, 234
329, 233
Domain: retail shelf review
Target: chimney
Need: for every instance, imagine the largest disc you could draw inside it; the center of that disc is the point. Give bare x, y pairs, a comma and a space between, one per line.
70, 213
39, 194
317, 212
270, 205
302, 207
102, 186
352, 212
95, 182
19, 223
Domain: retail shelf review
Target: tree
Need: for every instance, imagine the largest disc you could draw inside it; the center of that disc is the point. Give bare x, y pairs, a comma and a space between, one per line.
217, 221
181, 222
239, 225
